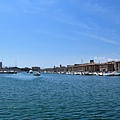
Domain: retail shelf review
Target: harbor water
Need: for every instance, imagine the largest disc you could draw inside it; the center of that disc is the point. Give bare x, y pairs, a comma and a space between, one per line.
59, 97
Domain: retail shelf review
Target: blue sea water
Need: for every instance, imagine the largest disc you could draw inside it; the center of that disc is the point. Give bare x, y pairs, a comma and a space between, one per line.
59, 97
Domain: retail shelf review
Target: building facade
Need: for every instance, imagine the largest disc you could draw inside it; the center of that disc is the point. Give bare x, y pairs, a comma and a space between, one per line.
108, 66
0, 64
35, 68
117, 66
87, 67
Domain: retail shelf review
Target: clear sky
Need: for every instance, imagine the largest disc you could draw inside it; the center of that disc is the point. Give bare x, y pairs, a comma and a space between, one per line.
52, 32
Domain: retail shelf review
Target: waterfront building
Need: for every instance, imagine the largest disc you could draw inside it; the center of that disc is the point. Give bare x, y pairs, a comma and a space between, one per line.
107, 66
117, 66
70, 68
87, 67
48, 70
93, 67
77, 68
35, 68
56, 69
62, 69
0, 64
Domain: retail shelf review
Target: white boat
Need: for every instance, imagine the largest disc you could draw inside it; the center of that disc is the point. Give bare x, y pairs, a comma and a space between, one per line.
87, 73
77, 73
69, 73
112, 74
37, 74
30, 71
99, 74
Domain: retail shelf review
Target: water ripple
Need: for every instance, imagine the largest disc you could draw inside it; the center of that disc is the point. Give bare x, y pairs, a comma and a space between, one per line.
59, 97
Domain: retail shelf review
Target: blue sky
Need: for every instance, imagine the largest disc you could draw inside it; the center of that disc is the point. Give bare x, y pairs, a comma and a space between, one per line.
52, 32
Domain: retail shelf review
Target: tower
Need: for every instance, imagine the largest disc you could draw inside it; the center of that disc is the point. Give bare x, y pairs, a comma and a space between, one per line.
0, 64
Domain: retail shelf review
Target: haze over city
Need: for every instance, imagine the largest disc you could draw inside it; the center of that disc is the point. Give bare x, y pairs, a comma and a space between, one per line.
52, 32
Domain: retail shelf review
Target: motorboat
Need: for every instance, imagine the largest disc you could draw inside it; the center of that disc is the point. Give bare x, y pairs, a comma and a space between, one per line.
112, 74
30, 71
37, 74
87, 73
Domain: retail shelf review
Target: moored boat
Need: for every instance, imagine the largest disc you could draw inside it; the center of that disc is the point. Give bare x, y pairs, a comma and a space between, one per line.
87, 73
112, 74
